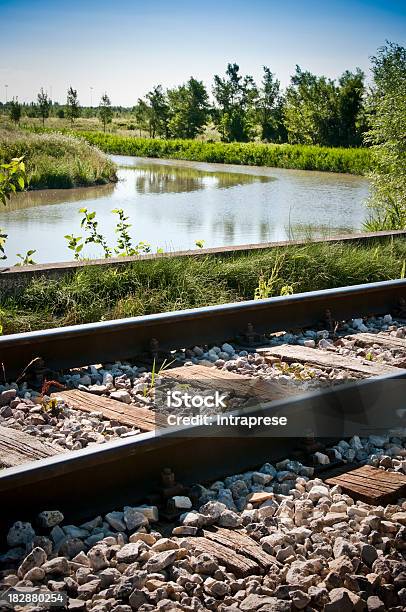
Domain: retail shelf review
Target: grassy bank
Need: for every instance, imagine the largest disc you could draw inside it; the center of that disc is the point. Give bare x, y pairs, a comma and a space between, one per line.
302, 157
177, 283
56, 161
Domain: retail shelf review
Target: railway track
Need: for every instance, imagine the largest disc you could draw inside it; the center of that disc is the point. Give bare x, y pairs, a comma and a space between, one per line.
362, 341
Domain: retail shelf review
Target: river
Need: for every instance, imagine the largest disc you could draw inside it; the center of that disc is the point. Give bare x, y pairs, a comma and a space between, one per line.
171, 204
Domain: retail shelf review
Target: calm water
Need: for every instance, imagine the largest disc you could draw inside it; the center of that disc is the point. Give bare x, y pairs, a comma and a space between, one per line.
171, 204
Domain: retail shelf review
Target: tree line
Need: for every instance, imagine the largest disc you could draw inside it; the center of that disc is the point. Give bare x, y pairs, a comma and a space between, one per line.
312, 109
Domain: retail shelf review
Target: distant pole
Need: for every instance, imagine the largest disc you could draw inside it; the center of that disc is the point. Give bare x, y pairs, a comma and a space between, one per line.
6, 86
91, 97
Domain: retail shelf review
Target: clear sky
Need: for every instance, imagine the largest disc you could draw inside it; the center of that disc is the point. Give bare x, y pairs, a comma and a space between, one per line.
126, 47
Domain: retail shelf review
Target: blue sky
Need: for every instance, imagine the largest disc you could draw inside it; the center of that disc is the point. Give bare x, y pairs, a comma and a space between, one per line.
126, 47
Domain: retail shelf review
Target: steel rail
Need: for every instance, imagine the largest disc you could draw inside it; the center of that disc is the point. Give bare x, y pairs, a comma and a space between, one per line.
105, 341
101, 478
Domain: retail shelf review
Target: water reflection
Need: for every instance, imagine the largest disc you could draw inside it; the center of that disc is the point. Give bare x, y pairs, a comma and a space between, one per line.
161, 179
57, 196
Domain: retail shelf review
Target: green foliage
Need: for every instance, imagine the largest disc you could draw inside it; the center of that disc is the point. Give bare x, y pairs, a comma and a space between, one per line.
26, 260
44, 104
387, 115
72, 105
269, 287
173, 283
188, 109
12, 177
89, 224
105, 112
57, 161
124, 242
75, 244
353, 161
234, 113
158, 112
318, 111
124, 246
270, 109
15, 111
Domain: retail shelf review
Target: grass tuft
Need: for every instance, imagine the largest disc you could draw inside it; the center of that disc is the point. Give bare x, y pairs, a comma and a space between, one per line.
56, 161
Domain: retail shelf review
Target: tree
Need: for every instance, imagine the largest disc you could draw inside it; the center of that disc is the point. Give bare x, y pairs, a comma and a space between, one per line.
236, 97
142, 115
350, 105
311, 111
188, 109
44, 105
158, 112
15, 111
320, 111
387, 116
270, 109
105, 112
72, 105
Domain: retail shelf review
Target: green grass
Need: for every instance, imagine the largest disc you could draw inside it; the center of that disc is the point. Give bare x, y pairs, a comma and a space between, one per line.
56, 161
174, 283
302, 157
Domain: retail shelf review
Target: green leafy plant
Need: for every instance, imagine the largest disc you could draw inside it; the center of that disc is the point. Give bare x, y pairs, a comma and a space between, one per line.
12, 177
287, 290
89, 224
3, 239
124, 243
267, 287
124, 246
75, 244
26, 260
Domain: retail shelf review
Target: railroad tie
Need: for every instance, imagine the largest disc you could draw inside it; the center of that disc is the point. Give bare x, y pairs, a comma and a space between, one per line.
371, 485
18, 447
237, 384
326, 359
133, 416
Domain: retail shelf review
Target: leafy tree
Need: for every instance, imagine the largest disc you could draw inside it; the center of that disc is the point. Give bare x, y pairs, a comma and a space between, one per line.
158, 112
311, 111
188, 109
142, 113
320, 111
72, 105
236, 96
350, 105
270, 109
105, 112
44, 104
15, 111
387, 116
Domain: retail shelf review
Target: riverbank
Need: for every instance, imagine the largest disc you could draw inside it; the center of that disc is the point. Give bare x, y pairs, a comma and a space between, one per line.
175, 283
56, 161
299, 157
